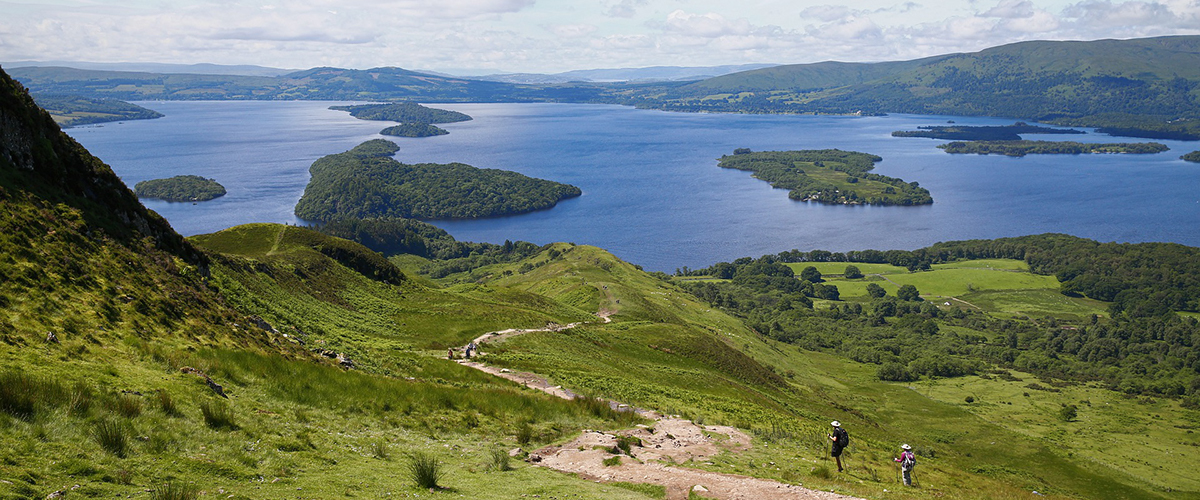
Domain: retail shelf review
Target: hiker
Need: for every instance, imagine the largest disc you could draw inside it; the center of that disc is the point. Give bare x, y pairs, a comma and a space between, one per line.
840, 439
471, 347
450, 353
907, 462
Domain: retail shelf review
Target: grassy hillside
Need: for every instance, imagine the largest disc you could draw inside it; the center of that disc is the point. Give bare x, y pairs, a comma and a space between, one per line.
1142, 87
666, 350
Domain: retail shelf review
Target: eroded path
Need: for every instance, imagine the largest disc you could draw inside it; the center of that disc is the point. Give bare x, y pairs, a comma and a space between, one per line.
668, 441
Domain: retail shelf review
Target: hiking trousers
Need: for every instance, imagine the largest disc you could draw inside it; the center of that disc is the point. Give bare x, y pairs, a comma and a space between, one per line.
907, 476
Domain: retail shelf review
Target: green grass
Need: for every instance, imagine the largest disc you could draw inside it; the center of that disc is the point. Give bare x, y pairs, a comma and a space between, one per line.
1147, 438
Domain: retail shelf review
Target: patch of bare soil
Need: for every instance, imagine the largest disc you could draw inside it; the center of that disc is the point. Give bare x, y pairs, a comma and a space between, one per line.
669, 441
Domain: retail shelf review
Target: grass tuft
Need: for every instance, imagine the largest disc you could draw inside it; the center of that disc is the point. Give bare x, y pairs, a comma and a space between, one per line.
499, 461
218, 415
173, 491
379, 449
127, 405
167, 404
524, 433
612, 461
21, 395
113, 437
425, 470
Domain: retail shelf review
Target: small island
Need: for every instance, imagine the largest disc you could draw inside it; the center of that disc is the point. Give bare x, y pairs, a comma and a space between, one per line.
366, 182
70, 110
982, 133
1194, 157
1022, 148
180, 188
414, 130
403, 112
827, 176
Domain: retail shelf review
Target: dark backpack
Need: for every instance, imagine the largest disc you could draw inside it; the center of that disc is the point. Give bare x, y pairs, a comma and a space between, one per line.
908, 460
843, 438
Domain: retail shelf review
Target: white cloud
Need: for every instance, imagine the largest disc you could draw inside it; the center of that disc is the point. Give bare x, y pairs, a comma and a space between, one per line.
624, 8
710, 25
572, 30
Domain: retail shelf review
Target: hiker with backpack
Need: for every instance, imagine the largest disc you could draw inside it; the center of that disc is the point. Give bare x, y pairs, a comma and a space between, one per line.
907, 462
840, 440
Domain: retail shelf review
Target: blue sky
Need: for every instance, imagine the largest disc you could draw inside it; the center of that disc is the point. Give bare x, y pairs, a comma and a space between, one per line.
484, 36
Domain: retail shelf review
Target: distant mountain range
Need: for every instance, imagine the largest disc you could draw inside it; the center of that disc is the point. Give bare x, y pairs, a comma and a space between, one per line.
198, 69
648, 74
1147, 87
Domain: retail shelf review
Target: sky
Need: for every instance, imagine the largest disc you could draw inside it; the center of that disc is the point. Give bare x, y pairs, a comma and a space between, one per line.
548, 36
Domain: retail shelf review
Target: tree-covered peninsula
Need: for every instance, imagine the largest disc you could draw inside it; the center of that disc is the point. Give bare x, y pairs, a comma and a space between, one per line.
1022, 148
180, 188
1194, 156
413, 130
828, 176
404, 112
72, 110
366, 182
982, 133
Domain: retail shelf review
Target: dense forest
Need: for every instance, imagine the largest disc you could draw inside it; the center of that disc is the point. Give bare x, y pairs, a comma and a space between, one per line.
404, 112
180, 188
1144, 348
1194, 156
394, 235
413, 130
1022, 148
72, 110
366, 182
827, 176
987, 133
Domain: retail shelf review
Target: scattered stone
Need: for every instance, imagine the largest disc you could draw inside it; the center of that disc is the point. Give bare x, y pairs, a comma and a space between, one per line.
699, 489
535, 458
345, 361
51, 338
57, 494
262, 324
514, 452
207, 380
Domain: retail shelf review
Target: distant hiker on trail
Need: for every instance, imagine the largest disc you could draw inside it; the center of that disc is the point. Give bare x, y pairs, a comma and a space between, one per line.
907, 462
840, 440
450, 353
471, 347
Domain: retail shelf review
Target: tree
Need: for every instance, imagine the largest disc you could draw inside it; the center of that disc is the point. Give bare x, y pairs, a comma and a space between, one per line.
853, 273
1068, 413
811, 274
908, 292
875, 291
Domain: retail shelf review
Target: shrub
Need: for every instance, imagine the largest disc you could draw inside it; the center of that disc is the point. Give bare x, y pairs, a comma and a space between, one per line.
218, 415
173, 491
424, 470
970, 399
612, 461
499, 461
894, 372
1068, 413
113, 437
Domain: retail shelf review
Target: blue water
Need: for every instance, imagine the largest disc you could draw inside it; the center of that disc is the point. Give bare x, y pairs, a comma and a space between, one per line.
652, 193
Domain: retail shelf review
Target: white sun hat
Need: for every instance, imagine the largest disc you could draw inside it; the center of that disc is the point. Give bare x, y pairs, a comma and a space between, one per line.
905, 447
835, 423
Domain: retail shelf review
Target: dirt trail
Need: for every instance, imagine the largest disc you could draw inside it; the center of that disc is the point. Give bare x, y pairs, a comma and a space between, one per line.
670, 440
